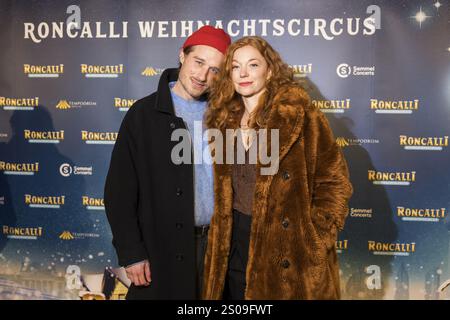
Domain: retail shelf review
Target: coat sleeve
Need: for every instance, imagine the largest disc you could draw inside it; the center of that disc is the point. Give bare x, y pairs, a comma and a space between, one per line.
331, 188
121, 199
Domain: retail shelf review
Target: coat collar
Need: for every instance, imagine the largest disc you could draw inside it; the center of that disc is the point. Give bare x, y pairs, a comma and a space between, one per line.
163, 98
287, 116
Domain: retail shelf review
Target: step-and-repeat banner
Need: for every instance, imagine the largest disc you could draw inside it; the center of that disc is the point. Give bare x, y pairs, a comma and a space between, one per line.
70, 70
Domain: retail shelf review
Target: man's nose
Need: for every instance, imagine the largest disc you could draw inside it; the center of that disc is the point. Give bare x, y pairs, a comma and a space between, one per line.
202, 74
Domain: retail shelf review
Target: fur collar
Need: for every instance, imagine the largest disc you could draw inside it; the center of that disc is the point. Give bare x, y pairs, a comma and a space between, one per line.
286, 115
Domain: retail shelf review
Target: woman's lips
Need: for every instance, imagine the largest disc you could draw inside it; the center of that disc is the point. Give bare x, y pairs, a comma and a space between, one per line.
245, 84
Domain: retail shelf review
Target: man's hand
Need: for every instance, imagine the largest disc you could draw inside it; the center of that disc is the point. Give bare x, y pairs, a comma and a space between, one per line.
139, 273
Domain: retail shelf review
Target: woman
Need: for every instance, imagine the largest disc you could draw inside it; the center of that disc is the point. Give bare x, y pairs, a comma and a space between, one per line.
273, 236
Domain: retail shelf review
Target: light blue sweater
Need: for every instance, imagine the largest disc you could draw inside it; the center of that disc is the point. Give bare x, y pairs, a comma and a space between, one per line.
191, 111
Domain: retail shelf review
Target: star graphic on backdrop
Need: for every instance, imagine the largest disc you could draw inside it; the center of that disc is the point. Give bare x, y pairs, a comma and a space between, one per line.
420, 17
437, 4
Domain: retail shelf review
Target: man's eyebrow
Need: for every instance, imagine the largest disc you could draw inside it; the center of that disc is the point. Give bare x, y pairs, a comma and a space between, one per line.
198, 58
203, 60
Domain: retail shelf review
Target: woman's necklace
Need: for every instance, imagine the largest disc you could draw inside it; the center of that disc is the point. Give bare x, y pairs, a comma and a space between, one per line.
245, 129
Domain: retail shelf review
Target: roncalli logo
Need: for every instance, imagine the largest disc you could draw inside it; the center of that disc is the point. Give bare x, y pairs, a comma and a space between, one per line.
123, 104
102, 71
301, 70
421, 214
22, 104
341, 245
93, 203
43, 136
2, 200
69, 235
394, 107
348, 142
99, 137
332, 106
23, 233
344, 70
391, 249
19, 168
46, 71
67, 170
423, 143
65, 104
392, 178
151, 72
49, 202
3, 135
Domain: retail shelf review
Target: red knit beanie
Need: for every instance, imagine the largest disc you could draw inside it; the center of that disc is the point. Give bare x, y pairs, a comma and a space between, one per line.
209, 36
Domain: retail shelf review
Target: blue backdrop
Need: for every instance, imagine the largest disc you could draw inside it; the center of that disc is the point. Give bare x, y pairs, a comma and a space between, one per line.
70, 70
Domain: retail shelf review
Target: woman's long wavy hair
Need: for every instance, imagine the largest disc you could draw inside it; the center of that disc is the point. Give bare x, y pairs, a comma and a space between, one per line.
225, 106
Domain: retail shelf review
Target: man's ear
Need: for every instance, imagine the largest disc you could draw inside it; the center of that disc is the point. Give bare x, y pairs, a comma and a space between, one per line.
181, 55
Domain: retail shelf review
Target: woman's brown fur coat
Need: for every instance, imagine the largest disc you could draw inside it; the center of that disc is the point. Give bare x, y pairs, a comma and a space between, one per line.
296, 213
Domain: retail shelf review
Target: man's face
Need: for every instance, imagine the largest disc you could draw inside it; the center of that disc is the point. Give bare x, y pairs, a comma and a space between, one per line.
198, 70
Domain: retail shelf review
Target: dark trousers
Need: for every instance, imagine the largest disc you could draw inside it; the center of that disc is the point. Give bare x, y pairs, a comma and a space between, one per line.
235, 280
201, 241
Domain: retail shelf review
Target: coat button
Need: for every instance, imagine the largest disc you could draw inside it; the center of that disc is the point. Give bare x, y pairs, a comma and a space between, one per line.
179, 225
179, 257
172, 125
285, 223
286, 175
179, 192
285, 264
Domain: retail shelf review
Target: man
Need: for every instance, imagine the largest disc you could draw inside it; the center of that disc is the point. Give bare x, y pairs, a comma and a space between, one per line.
158, 208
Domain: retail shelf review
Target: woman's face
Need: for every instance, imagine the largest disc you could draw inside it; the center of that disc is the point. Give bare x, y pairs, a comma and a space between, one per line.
249, 72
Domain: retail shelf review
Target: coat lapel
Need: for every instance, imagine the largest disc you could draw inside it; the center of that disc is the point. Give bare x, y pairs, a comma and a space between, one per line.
286, 116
